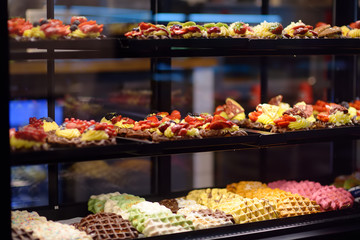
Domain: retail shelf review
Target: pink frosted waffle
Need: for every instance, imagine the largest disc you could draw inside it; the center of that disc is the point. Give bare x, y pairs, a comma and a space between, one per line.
332, 198
304, 188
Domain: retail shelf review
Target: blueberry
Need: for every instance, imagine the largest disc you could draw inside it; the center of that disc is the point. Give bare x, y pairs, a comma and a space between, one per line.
76, 22
43, 21
73, 27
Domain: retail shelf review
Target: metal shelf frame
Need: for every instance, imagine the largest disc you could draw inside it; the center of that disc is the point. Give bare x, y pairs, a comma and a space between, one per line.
160, 52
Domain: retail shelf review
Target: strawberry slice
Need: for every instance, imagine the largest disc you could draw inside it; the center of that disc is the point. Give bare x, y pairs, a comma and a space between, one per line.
276, 28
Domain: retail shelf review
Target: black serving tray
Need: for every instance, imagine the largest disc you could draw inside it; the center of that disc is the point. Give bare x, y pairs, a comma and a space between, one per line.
339, 224
133, 48
308, 136
128, 147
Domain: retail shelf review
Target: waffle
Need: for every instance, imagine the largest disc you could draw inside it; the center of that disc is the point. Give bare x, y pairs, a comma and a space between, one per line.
50, 230
182, 202
20, 219
286, 203
140, 212
114, 202
207, 218
333, 198
296, 205
167, 225
172, 204
246, 210
244, 186
304, 188
107, 226
96, 202
22, 234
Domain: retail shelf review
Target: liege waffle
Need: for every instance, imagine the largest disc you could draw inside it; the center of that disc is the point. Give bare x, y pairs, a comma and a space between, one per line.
333, 198
22, 234
107, 226
167, 225
244, 186
207, 218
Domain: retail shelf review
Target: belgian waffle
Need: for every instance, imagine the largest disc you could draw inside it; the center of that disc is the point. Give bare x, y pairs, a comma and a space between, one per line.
107, 226
333, 198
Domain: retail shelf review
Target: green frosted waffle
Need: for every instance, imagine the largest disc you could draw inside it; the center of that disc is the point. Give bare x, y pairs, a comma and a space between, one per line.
166, 225
125, 201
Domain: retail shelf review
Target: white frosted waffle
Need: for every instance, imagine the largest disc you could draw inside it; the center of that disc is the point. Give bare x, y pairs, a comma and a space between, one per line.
207, 218
21, 219
166, 225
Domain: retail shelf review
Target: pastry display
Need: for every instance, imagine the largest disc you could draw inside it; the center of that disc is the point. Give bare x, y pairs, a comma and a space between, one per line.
265, 114
304, 188
17, 27
241, 30
40, 228
186, 30
82, 28
299, 30
333, 198
328, 31
299, 117
332, 115
79, 28
149, 31
29, 138
232, 111
268, 30
217, 30
107, 226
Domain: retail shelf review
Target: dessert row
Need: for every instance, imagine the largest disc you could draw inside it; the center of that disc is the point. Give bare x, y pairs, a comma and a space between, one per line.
79, 27
264, 30
125, 216
227, 120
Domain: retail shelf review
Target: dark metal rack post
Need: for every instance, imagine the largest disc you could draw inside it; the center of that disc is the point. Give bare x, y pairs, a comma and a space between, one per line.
4, 72
344, 79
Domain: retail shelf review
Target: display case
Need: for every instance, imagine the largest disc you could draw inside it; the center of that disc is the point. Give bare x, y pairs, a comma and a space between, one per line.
161, 55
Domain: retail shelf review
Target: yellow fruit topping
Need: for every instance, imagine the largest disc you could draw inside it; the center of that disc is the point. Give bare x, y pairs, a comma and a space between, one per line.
50, 126
68, 133
94, 135
22, 143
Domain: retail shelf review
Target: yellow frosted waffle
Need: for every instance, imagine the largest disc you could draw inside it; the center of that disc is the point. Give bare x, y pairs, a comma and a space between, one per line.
244, 186
286, 203
246, 210
201, 193
296, 205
